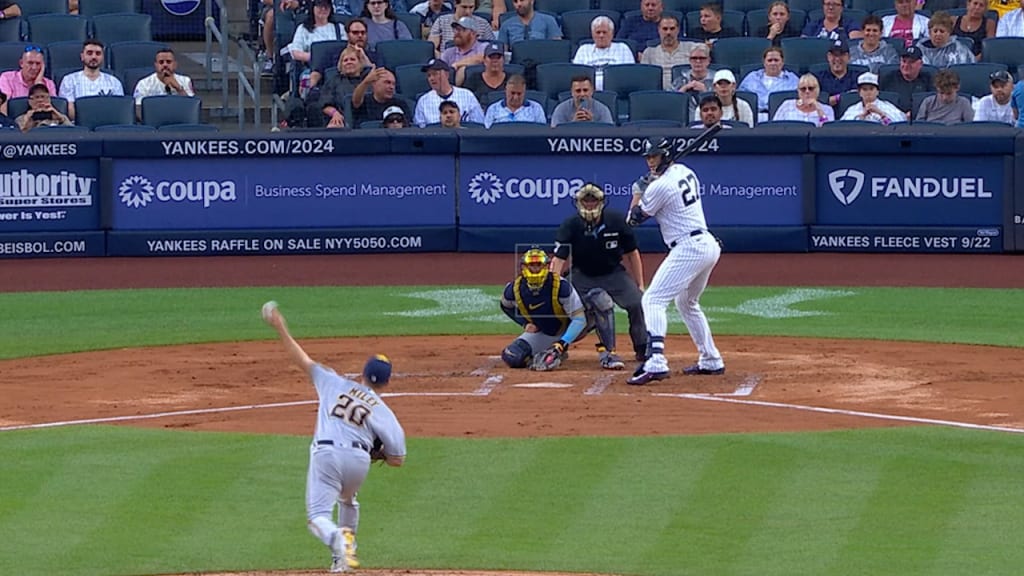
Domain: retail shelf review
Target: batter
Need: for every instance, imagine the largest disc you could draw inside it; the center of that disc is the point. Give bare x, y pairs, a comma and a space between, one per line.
673, 199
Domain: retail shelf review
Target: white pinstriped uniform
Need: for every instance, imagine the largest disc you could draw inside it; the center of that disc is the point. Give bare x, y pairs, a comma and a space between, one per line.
674, 202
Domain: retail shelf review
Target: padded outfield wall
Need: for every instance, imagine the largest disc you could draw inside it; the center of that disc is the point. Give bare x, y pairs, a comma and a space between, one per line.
856, 189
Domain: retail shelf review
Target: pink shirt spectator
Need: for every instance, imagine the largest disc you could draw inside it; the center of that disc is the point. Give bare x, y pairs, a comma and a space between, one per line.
13, 85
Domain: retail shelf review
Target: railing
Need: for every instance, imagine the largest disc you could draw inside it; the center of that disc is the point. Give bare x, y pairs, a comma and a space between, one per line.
215, 31
245, 87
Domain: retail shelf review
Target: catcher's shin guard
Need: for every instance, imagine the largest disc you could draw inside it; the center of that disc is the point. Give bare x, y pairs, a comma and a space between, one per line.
517, 354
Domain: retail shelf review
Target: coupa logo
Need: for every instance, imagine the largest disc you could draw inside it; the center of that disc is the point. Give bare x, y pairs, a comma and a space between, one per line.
137, 191
181, 7
846, 185
487, 188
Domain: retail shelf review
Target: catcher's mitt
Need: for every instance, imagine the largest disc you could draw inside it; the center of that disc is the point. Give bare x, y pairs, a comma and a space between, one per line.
551, 358
377, 452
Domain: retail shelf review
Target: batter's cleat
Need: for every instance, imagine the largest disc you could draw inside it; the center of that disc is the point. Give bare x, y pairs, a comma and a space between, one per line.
349, 540
611, 361
642, 376
696, 370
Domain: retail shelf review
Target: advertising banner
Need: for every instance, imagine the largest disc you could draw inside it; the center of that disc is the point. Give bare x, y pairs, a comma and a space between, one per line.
53, 244
537, 190
910, 190
47, 195
893, 239
260, 242
346, 192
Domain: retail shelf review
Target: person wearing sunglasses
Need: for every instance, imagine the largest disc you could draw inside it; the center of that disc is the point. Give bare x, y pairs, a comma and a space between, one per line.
31, 67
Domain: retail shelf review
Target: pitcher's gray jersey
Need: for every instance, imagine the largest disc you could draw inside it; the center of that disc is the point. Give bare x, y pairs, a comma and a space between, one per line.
674, 201
350, 412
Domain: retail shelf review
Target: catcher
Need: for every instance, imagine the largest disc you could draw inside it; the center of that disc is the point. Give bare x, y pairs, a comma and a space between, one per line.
549, 310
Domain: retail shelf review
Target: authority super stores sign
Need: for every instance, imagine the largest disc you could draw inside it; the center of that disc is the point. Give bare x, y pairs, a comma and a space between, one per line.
909, 190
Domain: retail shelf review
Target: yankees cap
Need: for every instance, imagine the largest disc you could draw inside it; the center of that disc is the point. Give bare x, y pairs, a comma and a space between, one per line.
377, 370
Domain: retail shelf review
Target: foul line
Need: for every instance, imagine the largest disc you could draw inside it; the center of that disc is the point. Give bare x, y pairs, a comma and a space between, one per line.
839, 411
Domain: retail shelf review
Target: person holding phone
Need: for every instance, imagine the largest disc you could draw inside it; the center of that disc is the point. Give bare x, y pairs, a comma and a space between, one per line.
581, 107
41, 111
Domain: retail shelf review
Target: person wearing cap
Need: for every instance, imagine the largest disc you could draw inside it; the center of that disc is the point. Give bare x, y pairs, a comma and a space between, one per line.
393, 117
441, 32
380, 83
515, 107
451, 117
806, 107
698, 78
779, 24
733, 108
669, 52
996, 107
871, 51
352, 418
603, 52
528, 24
832, 25
975, 24
941, 49
770, 78
908, 79
427, 107
1011, 24
491, 79
947, 106
837, 78
906, 24
870, 108
467, 50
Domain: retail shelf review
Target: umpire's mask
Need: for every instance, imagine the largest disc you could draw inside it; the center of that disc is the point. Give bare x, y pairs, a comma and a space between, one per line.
590, 202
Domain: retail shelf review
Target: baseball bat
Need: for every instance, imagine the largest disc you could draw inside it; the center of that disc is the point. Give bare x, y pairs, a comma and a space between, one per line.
701, 139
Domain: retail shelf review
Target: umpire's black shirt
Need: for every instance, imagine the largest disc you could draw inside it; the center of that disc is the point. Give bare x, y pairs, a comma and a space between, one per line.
596, 251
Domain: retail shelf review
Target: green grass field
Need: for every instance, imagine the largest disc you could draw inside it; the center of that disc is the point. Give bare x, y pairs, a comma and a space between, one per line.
98, 500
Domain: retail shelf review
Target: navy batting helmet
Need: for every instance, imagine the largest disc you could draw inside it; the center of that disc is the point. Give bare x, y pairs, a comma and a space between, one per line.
658, 147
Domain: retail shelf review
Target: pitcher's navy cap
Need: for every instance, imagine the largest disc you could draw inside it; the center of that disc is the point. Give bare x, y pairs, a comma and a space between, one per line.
377, 370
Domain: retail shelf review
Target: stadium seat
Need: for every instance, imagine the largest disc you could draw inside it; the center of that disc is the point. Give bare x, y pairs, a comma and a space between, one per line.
160, 110
559, 7
46, 28
395, 53
124, 27
18, 106
1007, 50
510, 126
93, 111
324, 55
554, 78
131, 76
90, 8
188, 128
974, 77
743, 5
411, 81
124, 128
659, 105
10, 30
10, 53
586, 125
64, 55
871, 5
620, 6
654, 124
371, 124
62, 128
802, 53
733, 53
412, 21
626, 78
34, 7
542, 51
124, 55
576, 23
683, 6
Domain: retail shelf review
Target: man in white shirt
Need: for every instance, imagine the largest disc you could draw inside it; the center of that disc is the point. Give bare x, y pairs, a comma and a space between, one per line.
996, 107
90, 81
603, 51
164, 81
515, 107
1011, 24
428, 106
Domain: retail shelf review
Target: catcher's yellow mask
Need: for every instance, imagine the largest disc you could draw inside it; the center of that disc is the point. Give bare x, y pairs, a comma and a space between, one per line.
535, 268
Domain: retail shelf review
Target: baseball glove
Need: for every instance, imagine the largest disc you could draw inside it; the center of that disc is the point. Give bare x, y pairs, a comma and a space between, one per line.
377, 452
551, 358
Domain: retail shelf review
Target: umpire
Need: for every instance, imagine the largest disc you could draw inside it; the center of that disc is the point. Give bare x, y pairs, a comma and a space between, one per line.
597, 239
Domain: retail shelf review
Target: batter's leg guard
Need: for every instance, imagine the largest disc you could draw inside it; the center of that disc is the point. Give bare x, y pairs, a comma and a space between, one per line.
602, 309
517, 354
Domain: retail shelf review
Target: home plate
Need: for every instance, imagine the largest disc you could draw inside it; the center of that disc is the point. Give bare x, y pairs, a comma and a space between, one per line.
543, 385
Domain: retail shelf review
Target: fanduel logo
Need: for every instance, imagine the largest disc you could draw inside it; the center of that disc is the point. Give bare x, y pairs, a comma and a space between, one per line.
27, 189
137, 191
487, 188
837, 181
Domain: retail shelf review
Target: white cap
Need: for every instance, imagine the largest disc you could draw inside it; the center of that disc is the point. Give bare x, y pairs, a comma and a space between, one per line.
868, 78
726, 75
392, 110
